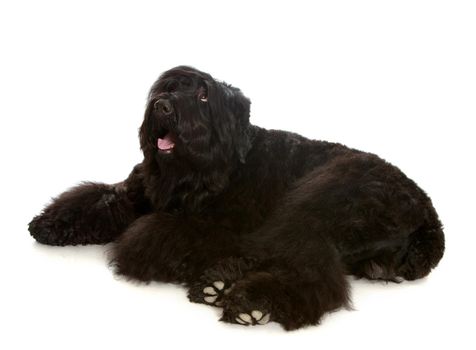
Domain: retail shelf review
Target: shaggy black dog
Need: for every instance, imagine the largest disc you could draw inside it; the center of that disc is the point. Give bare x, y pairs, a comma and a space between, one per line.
263, 223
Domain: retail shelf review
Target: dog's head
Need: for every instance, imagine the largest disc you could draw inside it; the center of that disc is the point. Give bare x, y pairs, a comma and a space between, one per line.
193, 118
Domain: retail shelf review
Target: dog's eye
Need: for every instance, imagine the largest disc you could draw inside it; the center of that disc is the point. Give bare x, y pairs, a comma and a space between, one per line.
203, 97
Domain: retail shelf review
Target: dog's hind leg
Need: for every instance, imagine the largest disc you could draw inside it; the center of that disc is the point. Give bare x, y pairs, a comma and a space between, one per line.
409, 258
294, 289
414, 259
90, 213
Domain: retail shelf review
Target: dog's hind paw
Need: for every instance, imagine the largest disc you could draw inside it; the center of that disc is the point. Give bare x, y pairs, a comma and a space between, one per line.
211, 294
245, 307
256, 317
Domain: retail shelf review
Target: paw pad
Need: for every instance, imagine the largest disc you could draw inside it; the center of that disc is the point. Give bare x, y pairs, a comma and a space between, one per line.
256, 317
213, 292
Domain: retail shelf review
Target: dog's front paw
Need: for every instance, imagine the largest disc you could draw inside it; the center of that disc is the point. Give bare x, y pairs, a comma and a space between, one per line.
48, 230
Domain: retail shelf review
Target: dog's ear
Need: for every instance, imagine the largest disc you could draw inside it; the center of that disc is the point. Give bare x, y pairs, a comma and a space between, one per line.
233, 128
242, 115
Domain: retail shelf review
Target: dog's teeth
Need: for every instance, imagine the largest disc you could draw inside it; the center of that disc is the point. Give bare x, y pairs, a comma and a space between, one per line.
209, 291
245, 317
219, 284
210, 299
256, 314
265, 319
219, 303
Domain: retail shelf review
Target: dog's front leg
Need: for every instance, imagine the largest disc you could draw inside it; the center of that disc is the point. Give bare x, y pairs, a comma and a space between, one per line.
91, 213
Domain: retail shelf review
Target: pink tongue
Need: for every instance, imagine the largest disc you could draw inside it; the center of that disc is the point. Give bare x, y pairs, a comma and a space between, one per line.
165, 143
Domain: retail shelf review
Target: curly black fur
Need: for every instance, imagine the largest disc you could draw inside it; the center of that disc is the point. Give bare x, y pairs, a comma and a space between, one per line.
263, 223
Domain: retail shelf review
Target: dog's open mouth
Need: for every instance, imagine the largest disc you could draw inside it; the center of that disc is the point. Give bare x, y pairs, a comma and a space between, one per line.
166, 142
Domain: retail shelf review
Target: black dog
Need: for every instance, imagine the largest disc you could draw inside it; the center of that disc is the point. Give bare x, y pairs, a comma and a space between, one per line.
263, 223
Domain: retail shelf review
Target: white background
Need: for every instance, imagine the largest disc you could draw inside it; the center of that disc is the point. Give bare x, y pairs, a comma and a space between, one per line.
396, 78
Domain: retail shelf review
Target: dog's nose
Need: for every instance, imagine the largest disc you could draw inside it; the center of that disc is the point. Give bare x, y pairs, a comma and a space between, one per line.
163, 106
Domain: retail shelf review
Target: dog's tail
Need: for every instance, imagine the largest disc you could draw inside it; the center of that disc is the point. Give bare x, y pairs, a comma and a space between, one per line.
425, 248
